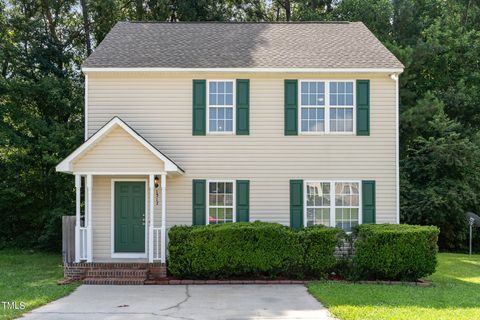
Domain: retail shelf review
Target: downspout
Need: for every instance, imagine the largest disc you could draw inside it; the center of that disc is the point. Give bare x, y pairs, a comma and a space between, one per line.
395, 76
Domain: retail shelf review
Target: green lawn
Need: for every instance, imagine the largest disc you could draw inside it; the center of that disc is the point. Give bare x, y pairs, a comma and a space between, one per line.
30, 278
455, 295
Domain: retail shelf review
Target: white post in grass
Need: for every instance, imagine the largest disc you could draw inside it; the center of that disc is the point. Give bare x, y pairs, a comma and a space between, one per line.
88, 217
164, 218
78, 186
151, 184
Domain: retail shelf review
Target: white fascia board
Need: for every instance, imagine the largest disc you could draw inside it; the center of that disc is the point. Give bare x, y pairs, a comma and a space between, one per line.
66, 164
250, 70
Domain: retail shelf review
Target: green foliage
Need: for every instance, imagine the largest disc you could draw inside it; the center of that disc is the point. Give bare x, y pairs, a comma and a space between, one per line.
395, 252
43, 43
257, 249
440, 180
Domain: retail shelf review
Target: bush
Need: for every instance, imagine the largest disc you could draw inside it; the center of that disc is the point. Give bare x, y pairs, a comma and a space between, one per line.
318, 245
395, 252
250, 250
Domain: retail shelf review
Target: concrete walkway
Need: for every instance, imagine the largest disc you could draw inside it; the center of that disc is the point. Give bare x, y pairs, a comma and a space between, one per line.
234, 302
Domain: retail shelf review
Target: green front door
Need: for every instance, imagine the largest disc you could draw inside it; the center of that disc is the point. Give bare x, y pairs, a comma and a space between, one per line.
129, 228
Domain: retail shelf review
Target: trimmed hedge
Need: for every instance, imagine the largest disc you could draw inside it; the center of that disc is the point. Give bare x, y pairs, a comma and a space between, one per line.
395, 252
251, 250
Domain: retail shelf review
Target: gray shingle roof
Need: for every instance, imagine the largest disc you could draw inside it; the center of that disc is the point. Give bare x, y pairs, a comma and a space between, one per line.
241, 45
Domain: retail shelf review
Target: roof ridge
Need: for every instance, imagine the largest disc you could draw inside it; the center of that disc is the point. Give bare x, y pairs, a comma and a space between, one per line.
240, 22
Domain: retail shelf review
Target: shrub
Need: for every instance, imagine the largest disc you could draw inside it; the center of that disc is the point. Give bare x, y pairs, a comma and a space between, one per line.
319, 244
395, 252
246, 250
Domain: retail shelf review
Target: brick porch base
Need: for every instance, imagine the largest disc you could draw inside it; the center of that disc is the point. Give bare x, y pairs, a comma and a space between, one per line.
114, 273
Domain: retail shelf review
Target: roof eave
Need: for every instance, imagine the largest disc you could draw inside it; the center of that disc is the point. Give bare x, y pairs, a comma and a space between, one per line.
248, 70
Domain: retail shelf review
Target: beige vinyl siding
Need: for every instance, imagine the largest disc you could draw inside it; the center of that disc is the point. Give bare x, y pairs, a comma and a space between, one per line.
102, 215
159, 107
118, 151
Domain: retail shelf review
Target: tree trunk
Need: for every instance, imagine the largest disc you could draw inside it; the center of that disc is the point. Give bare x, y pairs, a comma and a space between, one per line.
139, 9
86, 26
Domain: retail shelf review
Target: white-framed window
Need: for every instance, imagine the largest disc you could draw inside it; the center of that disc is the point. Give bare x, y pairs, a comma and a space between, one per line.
326, 106
221, 106
221, 202
332, 203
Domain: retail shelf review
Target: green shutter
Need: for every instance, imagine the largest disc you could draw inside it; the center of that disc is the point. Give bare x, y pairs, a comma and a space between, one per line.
199, 198
291, 108
296, 204
363, 107
243, 105
199, 125
243, 201
368, 201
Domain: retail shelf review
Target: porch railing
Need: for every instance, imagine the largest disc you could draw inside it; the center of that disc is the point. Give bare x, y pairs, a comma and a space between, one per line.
157, 242
83, 243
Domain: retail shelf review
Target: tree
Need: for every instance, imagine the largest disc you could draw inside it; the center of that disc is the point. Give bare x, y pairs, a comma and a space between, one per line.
440, 180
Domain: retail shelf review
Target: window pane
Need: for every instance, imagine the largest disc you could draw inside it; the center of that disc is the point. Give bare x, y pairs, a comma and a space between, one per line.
304, 99
229, 187
229, 87
341, 87
229, 113
212, 99
304, 125
333, 87
213, 113
310, 217
228, 214
221, 100
221, 87
349, 87
212, 87
349, 100
229, 100
228, 125
333, 100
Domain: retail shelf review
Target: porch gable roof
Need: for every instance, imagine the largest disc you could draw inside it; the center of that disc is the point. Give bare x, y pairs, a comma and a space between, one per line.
67, 164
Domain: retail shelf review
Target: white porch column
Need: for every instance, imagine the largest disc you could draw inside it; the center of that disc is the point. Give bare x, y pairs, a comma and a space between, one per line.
164, 218
151, 184
88, 217
78, 186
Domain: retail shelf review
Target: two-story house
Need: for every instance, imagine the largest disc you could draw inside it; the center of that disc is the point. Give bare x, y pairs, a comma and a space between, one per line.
203, 123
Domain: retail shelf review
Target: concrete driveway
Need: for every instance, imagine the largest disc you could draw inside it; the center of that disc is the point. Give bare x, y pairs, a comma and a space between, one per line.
185, 302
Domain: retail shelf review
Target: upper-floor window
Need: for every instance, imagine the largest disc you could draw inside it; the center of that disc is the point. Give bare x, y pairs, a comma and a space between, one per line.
326, 106
220, 106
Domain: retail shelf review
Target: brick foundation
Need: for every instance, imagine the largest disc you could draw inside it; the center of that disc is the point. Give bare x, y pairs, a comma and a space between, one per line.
114, 273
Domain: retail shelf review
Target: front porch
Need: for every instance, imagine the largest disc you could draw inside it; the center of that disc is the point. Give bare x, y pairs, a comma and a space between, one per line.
101, 235
121, 197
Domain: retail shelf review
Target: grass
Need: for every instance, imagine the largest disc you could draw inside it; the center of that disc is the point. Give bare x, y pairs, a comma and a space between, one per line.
455, 294
30, 278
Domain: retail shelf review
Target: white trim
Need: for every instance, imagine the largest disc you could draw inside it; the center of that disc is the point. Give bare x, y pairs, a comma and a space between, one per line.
78, 186
239, 70
66, 164
395, 77
326, 108
86, 106
89, 187
118, 173
127, 255
234, 196
151, 190
332, 198
234, 107
163, 230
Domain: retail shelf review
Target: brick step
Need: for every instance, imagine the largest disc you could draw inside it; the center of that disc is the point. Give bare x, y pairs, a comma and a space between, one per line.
117, 273
114, 281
